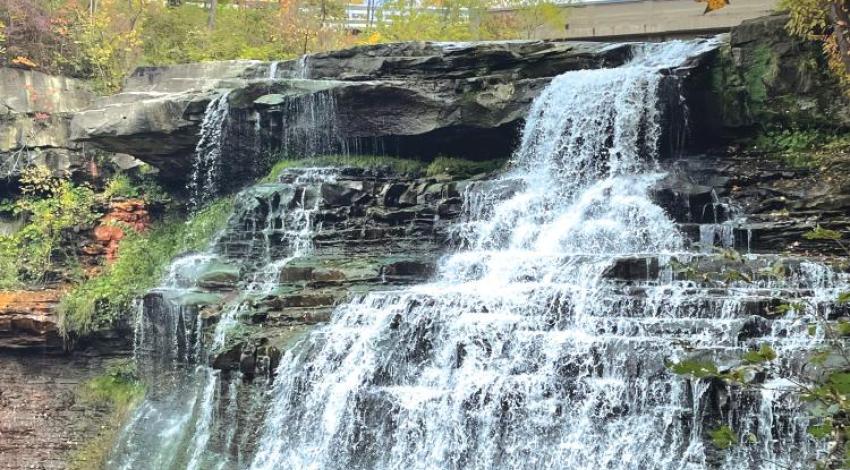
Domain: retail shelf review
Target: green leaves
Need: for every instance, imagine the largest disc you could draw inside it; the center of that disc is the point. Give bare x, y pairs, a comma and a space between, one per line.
731, 254
52, 207
764, 354
736, 276
786, 308
820, 431
820, 233
695, 368
142, 260
723, 437
840, 382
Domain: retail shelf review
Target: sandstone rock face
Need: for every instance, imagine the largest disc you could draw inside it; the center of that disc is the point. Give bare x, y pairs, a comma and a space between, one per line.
35, 115
28, 320
42, 419
413, 99
158, 113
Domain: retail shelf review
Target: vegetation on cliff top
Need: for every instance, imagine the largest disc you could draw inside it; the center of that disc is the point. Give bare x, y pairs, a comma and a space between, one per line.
825, 21
828, 22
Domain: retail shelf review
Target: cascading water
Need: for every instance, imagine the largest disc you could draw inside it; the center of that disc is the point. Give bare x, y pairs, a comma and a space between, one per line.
203, 184
176, 425
309, 126
524, 353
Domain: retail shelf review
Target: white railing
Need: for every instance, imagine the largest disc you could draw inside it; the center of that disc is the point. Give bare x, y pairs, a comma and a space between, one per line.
362, 17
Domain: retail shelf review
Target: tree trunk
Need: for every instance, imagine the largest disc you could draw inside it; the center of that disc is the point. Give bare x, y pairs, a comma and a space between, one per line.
211, 17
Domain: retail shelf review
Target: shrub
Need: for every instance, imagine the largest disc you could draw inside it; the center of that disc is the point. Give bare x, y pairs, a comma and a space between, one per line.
142, 260
51, 207
140, 185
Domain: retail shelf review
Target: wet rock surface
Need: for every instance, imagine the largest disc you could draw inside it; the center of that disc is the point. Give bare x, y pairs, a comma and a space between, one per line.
375, 229
757, 203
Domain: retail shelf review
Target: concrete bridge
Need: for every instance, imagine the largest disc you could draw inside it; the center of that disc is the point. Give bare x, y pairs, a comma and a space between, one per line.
651, 19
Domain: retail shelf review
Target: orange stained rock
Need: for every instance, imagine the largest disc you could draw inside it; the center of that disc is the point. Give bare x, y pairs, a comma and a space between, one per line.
108, 233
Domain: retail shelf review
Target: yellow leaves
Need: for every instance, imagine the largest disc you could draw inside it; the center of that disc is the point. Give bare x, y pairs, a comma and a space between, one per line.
38, 179
712, 5
25, 62
373, 38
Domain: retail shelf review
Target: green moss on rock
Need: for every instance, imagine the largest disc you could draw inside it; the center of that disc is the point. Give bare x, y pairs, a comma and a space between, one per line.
119, 391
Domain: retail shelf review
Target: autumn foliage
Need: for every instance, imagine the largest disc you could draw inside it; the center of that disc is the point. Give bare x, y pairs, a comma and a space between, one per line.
712, 5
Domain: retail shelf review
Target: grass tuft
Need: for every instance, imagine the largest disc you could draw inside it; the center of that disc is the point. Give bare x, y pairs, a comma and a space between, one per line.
440, 166
460, 168
119, 391
400, 165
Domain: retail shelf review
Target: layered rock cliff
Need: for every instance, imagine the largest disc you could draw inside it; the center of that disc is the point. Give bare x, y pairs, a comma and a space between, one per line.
382, 228
415, 99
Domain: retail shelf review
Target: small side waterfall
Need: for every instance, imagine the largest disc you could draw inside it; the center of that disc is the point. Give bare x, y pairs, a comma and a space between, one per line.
542, 343
204, 181
182, 416
309, 126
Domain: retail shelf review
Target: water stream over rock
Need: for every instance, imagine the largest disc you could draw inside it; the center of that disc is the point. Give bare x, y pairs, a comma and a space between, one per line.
206, 166
173, 428
531, 349
542, 341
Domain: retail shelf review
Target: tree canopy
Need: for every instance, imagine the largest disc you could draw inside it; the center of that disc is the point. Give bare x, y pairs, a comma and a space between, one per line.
104, 39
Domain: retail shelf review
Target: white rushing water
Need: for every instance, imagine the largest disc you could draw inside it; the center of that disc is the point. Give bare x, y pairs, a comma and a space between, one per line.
521, 354
204, 181
180, 418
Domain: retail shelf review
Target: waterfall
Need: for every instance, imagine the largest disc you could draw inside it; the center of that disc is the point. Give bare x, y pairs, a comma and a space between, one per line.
526, 351
181, 421
309, 126
203, 183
